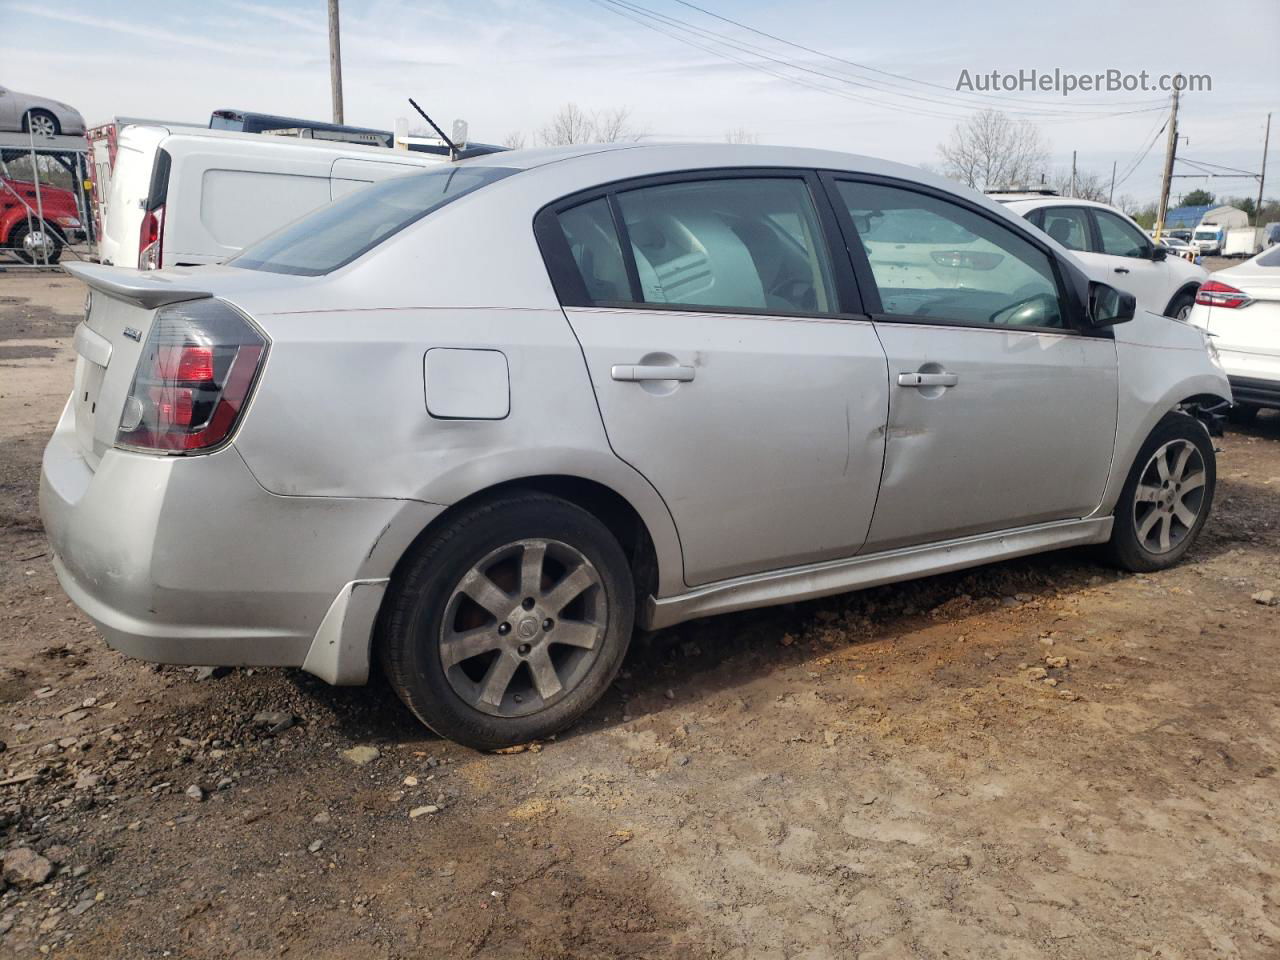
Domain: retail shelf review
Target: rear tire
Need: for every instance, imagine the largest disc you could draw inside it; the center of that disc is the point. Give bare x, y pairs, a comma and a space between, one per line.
1180, 307
1166, 498
521, 662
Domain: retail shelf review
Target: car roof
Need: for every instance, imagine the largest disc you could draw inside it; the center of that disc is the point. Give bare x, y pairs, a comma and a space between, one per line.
1021, 202
662, 156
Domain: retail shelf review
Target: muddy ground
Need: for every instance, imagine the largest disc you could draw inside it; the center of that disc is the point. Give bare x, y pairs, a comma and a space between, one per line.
879, 775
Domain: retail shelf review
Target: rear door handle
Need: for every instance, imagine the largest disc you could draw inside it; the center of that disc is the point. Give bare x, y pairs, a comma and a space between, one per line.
633, 372
1122, 269
927, 379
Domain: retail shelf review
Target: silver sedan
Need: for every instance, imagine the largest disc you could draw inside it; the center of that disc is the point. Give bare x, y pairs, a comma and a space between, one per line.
476, 424
40, 115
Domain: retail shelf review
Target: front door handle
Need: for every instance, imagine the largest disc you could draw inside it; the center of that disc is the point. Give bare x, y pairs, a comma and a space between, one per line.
927, 379
634, 372
1122, 269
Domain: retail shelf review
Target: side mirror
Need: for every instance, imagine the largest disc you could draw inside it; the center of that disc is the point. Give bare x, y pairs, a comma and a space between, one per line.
1109, 306
1159, 252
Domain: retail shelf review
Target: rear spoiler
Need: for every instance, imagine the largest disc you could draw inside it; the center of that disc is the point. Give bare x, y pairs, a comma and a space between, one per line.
147, 290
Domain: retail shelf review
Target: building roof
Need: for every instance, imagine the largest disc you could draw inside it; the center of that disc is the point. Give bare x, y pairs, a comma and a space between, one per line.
1187, 216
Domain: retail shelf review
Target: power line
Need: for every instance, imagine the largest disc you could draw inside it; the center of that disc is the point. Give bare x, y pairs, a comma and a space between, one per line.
663, 24
1133, 167
888, 73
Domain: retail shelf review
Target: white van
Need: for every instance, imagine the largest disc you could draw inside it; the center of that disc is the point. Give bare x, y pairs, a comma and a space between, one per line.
183, 196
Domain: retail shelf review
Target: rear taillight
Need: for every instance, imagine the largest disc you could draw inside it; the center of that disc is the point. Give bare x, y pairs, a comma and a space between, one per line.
151, 240
1214, 293
194, 377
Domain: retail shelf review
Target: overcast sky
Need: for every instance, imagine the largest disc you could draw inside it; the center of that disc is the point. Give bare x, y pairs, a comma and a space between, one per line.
507, 65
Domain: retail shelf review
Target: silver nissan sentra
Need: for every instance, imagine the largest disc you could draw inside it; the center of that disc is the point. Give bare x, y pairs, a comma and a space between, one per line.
479, 423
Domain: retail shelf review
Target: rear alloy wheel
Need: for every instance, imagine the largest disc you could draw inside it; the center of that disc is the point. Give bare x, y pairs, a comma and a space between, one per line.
1181, 306
509, 623
1167, 497
41, 123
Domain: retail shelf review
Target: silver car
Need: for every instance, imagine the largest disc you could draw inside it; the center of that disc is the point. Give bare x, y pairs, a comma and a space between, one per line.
477, 424
40, 115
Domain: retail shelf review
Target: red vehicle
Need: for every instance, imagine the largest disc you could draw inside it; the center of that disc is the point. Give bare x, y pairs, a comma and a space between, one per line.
20, 227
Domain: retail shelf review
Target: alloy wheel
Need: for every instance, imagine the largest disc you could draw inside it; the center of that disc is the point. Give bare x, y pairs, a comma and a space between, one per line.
40, 125
522, 627
1169, 497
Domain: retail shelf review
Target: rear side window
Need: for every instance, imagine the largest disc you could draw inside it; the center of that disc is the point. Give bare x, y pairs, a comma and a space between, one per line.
336, 234
1069, 226
953, 264
735, 243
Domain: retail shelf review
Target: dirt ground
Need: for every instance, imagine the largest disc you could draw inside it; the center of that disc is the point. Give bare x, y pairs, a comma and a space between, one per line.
885, 774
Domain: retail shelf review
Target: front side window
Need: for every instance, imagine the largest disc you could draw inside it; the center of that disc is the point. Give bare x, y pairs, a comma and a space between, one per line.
1069, 226
1119, 238
336, 234
736, 243
935, 259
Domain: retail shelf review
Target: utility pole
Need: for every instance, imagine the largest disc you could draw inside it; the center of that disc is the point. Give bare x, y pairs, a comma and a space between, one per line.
335, 62
1170, 150
1262, 174
1111, 194
1072, 191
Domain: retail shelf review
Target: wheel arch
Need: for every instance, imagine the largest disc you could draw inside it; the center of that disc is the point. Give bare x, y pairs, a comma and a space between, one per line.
1190, 287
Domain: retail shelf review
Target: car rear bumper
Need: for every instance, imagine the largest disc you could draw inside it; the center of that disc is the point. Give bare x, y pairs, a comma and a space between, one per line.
1255, 392
189, 560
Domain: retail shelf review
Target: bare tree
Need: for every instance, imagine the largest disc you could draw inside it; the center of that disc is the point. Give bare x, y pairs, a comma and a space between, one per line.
740, 135
572, 124
1088, 185
1128, 204
613, 125
991, 150
514, 140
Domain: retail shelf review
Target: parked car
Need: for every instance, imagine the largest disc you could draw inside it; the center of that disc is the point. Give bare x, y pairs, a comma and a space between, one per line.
23, 231
1180, 248
40, 115
1114, 248
189, 195
475, 423
1240, 308
1208, 238
1272, 231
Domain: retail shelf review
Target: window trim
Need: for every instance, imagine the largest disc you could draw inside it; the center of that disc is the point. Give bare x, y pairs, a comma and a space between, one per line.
571, 291
1073, 319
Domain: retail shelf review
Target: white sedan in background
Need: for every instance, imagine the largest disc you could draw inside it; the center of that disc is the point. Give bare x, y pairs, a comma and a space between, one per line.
1240, 308
1114, 250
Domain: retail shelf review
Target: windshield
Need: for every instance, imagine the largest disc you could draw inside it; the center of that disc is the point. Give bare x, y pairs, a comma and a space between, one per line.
334, 235
1206, 234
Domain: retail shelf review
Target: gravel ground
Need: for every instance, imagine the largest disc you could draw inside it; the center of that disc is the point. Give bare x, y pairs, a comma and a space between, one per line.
1042, 758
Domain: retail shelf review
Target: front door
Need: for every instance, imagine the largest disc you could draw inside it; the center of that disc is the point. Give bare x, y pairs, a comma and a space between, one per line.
709, 314
1000, 415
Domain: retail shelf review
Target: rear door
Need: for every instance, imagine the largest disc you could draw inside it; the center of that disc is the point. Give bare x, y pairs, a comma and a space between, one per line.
1000, 415
728, 361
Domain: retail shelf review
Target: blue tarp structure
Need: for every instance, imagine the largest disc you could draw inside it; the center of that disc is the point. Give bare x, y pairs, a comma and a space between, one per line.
1186, 218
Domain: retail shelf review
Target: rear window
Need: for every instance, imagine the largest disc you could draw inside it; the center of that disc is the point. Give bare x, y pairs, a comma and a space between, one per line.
334, 235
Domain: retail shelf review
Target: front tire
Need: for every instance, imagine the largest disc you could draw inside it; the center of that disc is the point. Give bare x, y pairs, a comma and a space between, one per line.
30, 253
1166, 498
509, 623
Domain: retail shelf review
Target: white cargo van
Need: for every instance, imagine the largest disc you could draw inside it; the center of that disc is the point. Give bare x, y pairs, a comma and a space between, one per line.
187, 196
